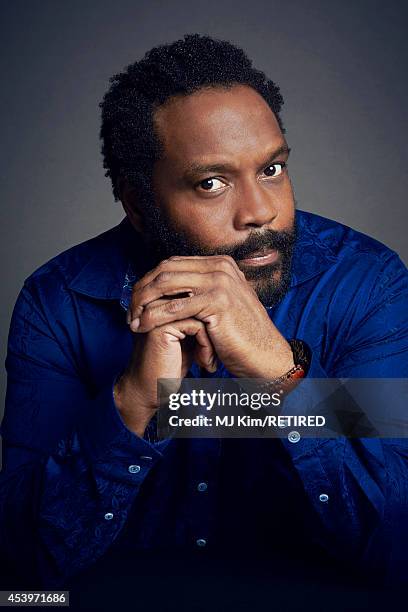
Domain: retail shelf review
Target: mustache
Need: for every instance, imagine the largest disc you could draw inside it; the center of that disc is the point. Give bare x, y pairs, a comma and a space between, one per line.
280, 241
163, 238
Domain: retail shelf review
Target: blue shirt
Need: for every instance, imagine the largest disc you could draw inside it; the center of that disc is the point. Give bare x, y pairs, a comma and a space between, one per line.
77, 484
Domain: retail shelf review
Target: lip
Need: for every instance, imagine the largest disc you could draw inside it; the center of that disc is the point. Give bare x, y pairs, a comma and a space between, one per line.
269, 257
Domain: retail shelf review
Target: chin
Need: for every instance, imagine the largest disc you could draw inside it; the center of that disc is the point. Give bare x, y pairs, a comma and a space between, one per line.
271, 290
263, 275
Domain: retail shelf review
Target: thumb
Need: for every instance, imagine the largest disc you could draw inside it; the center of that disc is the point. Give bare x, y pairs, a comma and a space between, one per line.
204, 352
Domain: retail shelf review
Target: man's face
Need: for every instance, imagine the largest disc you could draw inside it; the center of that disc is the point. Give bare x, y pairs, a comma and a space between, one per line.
221, 186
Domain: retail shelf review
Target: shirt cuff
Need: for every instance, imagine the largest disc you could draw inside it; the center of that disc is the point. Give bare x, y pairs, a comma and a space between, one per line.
302, 400
111, 445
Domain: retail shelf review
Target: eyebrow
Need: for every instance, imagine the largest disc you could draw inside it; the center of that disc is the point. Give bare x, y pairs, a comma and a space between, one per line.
194, 169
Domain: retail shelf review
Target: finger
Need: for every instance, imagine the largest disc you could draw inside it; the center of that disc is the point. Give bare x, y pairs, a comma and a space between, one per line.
203, 265
203, 352
198, 306
135, 321
171, 284
212, 263
225, 263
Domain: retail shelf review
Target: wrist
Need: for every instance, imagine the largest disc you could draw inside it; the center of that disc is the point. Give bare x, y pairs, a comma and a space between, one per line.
135, 414
286, 382
278, 364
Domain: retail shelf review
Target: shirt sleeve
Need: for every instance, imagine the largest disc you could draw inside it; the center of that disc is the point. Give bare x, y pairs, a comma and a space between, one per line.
71, 468
359, 487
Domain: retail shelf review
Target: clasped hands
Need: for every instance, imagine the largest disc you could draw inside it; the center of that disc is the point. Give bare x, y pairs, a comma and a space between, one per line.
209, 298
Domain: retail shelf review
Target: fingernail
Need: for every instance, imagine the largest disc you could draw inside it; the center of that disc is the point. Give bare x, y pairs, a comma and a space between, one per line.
135, 324
128, 316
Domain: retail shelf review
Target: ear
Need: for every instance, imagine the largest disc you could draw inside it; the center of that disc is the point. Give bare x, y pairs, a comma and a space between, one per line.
129, 199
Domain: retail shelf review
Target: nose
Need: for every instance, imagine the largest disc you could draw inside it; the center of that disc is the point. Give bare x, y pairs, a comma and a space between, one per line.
255, 207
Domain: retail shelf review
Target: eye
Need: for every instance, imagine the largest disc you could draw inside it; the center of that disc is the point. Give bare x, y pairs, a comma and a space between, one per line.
211, 184
275, 170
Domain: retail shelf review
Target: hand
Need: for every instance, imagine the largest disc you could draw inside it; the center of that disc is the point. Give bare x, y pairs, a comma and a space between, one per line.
215, 291
164, 352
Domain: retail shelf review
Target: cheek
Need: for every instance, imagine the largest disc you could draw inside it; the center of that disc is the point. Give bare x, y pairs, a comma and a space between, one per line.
206, 224
211, 223
289, 190
288, 195
285, 202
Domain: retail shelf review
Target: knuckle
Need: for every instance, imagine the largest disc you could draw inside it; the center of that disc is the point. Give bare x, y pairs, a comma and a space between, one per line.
223, 299
162, 277
228, 259
221, 278
174, 306
148, 314
227, 262
197, 325
163, 265
219, 295
227, 265
159, 336
135, 289
135, 307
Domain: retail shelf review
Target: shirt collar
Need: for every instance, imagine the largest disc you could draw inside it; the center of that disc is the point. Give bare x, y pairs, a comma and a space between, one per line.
114, 260
118, 259
315, 248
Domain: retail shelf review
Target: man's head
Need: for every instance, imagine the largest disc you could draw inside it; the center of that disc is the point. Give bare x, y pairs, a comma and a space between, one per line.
194, 146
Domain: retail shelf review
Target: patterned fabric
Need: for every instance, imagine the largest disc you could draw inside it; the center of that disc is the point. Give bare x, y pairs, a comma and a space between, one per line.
77, 484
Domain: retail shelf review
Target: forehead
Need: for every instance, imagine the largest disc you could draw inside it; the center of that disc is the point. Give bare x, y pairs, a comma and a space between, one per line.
216, 122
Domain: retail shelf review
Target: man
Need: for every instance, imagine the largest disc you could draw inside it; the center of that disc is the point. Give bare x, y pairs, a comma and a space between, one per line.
211, 273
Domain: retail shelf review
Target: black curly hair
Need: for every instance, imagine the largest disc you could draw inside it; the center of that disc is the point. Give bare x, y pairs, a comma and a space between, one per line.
129, 143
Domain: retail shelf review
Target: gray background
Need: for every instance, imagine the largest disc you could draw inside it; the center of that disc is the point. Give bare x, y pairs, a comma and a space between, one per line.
341, 67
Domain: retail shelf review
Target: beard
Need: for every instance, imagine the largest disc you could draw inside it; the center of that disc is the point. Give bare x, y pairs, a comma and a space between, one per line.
270, 282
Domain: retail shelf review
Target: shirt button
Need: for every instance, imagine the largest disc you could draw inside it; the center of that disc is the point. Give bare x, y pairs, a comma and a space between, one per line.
108, 516
324, 497
294, 437
201, 542
134, 469
202, 486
